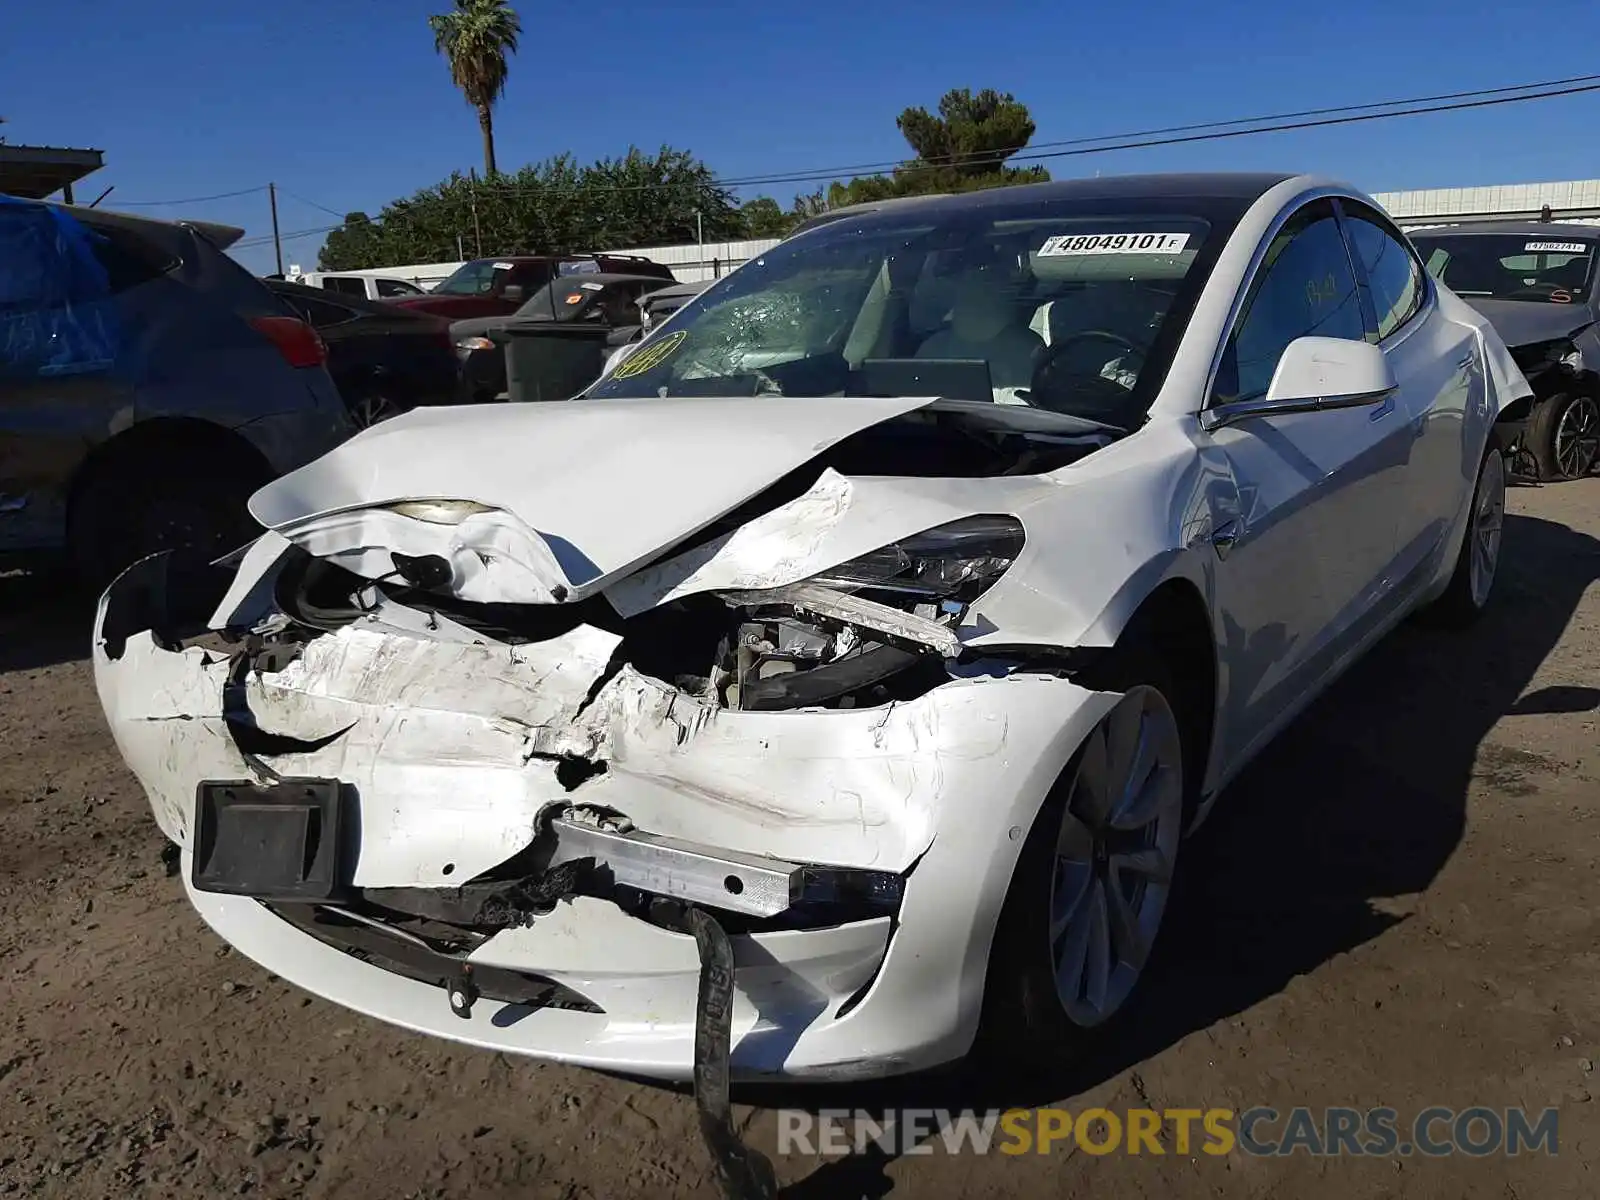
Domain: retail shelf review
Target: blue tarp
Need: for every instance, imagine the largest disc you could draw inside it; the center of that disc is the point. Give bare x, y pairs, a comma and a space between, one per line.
57, 316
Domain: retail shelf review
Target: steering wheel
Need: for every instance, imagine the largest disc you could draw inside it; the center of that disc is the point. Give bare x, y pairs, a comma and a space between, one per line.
1085, 392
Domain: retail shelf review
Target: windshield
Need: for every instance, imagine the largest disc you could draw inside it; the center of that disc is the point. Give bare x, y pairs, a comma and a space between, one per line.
1039, 303
470, 279
1506, 266
561, 300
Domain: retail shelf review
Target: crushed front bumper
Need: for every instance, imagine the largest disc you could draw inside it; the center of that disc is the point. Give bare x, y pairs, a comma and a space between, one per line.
453, 754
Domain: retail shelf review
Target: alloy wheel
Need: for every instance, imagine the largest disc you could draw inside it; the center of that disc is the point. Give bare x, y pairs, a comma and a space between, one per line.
1487, 518
1114, 855
1577, 437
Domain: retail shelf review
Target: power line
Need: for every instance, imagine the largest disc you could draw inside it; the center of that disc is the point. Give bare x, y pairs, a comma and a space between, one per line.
190, 199
1075, 147
834, 172
331, 212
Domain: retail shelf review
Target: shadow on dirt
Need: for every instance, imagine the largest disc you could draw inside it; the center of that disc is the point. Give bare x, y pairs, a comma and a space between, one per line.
1362, 798
45, 618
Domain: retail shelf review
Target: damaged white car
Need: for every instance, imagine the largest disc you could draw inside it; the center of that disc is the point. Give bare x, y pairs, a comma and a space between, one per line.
880, 626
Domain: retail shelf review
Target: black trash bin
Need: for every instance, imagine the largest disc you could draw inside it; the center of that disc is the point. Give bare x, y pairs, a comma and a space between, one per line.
549, 360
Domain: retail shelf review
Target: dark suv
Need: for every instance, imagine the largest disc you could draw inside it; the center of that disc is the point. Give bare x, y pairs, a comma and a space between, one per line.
494, 287
148, 385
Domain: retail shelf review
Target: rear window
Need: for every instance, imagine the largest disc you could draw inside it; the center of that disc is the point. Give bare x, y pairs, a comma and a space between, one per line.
127, 258
344, 286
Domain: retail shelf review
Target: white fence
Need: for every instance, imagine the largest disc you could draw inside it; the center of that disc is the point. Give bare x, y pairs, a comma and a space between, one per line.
690, 264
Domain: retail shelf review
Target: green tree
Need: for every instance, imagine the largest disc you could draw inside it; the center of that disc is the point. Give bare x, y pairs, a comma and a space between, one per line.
962, 149
476, 37
554, 207
972, 136
763, 218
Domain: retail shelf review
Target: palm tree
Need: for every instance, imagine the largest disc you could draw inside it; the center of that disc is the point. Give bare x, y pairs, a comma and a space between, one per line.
476, 37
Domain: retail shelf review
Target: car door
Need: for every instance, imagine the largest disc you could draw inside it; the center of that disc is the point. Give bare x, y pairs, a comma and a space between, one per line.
1302, 566
1436, 363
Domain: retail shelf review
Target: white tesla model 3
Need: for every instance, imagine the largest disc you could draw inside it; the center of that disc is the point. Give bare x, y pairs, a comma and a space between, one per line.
893, 610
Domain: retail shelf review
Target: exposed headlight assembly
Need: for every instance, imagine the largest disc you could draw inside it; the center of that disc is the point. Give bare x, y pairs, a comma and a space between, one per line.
440, 512
957, 561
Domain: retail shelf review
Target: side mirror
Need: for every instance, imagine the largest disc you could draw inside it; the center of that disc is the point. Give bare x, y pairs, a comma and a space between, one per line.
1315, 374
513, 292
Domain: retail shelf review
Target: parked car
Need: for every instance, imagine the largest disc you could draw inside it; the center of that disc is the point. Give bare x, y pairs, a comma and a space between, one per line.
384, 360
369, 287
597, 299
790, 688
148, 385
496, 287
1536, 281
654, 308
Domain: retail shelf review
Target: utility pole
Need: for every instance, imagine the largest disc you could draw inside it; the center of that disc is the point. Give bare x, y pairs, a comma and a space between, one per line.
277, 242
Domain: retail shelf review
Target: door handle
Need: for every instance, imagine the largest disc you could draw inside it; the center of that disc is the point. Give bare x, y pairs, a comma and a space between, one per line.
1384, 409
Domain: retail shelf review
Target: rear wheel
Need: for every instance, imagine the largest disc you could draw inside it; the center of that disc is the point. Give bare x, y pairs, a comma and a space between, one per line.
138, 505
1091, 886
1564, 436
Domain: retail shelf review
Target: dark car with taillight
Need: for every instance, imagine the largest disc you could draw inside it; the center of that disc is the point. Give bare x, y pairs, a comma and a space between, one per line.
611, 300
496, 287
384, 360
1538, 282
148, 385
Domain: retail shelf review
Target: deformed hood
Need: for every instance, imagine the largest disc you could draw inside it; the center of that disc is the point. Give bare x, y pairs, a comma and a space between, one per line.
1524, 322
582, 491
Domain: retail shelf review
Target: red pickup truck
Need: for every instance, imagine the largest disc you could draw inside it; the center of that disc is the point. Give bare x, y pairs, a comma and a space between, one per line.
492, 287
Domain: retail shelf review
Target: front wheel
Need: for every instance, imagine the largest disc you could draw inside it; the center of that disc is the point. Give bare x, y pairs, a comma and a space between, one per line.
1091, 886
1564, 436
1478, 562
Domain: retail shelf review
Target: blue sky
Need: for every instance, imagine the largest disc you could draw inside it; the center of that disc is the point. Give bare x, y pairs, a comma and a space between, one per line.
345, 104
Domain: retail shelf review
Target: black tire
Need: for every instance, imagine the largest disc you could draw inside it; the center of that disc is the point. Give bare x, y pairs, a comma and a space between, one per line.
1462, 605
1025, 1027
133, 506
1546, 420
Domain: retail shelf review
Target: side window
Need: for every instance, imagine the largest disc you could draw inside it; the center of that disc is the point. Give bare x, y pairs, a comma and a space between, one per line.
1303, 288
320, 313
394, 287
1394, 280
526, 276
344, 286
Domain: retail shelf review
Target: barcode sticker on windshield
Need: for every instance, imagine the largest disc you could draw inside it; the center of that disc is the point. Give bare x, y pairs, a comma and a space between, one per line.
1554, 248
1113, 243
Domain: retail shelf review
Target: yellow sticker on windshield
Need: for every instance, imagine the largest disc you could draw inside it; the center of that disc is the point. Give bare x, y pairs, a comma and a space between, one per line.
648, 357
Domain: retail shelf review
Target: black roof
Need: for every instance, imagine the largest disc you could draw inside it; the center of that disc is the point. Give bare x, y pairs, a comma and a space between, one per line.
1235, 190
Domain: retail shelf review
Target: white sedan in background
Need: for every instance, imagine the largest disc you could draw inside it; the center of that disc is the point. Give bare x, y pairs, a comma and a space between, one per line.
893, 612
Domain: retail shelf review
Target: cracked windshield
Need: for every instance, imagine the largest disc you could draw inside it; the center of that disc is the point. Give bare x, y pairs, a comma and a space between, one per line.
1064, 312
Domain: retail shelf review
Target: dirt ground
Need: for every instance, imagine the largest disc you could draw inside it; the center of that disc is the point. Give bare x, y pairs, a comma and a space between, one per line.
1395, 906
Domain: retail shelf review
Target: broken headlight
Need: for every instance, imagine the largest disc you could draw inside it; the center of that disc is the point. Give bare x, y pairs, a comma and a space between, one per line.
949, 562
440, 512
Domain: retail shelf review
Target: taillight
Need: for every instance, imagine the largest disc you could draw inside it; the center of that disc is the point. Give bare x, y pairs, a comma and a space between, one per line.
300, 345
